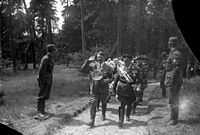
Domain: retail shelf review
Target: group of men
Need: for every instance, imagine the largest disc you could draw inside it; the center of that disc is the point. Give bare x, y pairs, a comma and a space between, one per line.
104, 76
127, 81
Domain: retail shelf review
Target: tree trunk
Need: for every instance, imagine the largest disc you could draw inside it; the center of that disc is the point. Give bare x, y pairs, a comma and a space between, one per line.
32, 34
0, 38
82, 28
11, 38
138, 39
119, 32
50, 38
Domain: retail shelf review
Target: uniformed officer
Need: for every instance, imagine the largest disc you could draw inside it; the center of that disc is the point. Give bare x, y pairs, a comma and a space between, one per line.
143, 72
163, 72
98, 87
124, 90
45, 79
173, 79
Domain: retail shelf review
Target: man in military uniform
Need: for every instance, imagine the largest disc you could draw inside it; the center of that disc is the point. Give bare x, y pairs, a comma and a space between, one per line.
173, 79
124, 90
45, 79
163, 72
98, 87
143, 72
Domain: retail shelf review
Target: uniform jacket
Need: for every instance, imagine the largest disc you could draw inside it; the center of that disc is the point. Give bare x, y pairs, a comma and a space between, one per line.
45, 70
102, 85
143, 72
122, 87
174, 68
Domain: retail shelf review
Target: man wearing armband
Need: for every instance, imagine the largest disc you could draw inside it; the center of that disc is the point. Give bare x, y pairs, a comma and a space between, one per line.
124, 90
173, 78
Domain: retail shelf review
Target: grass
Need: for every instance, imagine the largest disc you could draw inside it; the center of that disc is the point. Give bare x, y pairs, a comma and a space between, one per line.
22, 89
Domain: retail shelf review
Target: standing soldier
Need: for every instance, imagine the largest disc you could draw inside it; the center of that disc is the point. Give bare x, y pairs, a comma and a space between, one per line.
163, 73
45, 79
173, 80
143, 72
124, 90
101, 74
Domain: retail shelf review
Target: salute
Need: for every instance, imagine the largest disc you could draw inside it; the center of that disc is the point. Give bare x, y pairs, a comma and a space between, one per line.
100, 75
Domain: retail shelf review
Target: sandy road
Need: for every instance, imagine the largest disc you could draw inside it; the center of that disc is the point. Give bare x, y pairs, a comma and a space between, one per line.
137, 126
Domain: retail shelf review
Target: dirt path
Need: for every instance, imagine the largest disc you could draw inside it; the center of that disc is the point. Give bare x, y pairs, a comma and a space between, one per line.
137, 126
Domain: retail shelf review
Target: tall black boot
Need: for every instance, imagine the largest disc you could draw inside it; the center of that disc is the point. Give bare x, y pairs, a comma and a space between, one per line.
41, 106
121, 117
92, 116
134, 107
174, 115
104, 112
163, 91
98, 104
128, 113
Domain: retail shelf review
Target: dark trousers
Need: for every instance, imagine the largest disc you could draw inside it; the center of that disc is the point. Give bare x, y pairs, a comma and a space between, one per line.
126, 101
174, 92
43, 95
96, 98
162, 85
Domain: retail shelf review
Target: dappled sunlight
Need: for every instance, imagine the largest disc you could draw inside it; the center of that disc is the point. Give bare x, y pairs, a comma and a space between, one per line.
185, 105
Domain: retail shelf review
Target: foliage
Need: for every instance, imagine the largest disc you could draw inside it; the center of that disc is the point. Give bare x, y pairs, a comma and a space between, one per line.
152, 19
146, 27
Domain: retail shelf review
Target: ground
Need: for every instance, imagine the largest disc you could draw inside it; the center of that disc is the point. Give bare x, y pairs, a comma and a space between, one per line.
69, 104
138, 124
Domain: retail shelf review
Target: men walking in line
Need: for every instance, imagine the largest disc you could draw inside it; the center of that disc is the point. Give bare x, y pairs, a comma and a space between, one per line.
101, 76
173, 79
45, 80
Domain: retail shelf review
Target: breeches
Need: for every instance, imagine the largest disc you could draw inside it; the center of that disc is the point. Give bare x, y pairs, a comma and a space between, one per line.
95, 96
126, 101
44, 92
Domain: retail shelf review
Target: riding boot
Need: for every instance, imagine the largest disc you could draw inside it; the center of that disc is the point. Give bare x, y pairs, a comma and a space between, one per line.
134, 107
121, 117
174, 115
128, 113
164, 91
103, 112
98, 104
92, 116
41, 106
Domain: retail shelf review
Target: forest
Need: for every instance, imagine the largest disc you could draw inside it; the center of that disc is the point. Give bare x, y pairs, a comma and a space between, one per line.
115, 26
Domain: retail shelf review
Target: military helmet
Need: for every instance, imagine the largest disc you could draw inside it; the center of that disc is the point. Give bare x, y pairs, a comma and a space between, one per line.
51, 48
173, 41
163, 54
141, 57
127, 56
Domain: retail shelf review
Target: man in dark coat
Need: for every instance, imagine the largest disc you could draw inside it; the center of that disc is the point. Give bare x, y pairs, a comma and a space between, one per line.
144, 68
173, 79
98, 87
124, 90
45, 79
163, 72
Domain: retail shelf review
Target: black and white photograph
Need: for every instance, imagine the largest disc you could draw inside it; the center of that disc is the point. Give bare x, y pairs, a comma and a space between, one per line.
98, 67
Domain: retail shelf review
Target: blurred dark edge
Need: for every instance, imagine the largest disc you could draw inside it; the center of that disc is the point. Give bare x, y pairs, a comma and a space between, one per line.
186, 15
6, 130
